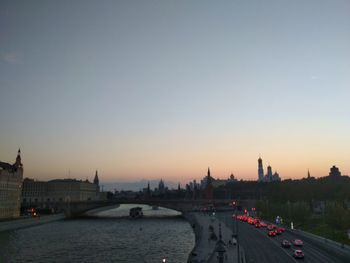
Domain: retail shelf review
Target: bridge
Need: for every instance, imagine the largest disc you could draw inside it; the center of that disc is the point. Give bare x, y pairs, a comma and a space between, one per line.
76, 209
258, 247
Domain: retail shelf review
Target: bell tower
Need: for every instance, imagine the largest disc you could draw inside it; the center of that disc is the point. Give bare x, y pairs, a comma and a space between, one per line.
260, 170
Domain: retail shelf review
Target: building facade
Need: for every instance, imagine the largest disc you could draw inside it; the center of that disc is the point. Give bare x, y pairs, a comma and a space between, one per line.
11, 176
48, 194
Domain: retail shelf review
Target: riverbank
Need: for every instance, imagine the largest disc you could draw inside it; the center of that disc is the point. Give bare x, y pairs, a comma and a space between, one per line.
204, 249
28, 222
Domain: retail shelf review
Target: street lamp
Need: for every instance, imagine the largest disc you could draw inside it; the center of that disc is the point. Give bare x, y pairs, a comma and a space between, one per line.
220, 247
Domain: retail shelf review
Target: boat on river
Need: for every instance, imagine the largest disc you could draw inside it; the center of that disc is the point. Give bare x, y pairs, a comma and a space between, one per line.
136, 212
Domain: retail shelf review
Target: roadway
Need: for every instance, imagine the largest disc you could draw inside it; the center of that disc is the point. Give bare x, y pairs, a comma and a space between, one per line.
259, 247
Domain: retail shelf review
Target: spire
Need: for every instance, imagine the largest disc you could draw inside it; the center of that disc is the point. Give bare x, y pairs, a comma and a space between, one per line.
18, 158
161, 185
96, 180
308, 174
209, 178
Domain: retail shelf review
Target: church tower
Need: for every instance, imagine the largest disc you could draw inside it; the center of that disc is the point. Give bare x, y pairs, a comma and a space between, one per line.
96, 181
269, 174
97, 184
260, 170
209, 178
18, 163
209, 189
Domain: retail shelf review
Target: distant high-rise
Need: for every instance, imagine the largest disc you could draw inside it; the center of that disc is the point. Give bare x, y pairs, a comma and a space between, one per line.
260, 170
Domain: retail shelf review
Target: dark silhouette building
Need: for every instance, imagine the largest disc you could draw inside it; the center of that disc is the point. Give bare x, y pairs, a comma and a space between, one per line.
269, 177
260, 170
334, 172
209, 188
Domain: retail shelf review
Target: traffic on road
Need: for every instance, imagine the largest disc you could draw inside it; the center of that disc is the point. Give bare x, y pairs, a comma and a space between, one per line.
267, 242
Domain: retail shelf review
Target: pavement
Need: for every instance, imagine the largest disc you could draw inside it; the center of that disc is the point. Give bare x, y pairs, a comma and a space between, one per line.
204, 251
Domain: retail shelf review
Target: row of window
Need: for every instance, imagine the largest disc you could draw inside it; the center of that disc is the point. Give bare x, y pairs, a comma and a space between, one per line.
8, 212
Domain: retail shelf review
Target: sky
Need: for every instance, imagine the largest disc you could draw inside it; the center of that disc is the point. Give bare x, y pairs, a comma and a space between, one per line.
165, 89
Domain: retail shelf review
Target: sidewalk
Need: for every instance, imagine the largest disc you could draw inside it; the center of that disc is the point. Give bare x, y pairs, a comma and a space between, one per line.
204, 250
28, 222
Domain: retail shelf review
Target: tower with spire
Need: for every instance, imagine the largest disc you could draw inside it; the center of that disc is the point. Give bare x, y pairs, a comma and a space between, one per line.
97, 183
18, 163
96, 180
209, 178
260, 170
161, 186
209, 189
10, 191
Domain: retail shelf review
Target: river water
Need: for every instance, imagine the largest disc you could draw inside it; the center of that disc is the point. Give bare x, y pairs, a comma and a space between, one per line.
110, 238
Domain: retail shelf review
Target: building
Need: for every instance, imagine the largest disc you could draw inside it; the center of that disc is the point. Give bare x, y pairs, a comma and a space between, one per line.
209, 188
11, 176
216, 182
97, 183
334, 172
48, 194
232, 179
161, 186
34, 192
260, 170
269, 177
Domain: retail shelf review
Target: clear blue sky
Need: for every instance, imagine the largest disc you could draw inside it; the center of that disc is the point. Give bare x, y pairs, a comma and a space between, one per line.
150, 89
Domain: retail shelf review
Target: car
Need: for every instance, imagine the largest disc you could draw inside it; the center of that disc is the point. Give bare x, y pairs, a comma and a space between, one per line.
271, 227
298, 243
278, 231
298, 254
271, 233
285, 243
262, 224
282, 229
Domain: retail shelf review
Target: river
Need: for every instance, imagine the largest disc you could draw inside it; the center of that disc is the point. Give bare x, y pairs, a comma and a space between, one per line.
111, 237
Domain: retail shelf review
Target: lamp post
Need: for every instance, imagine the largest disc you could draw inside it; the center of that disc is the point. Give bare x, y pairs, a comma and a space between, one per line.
238, 258
235, 231
220, 247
